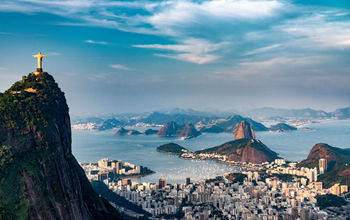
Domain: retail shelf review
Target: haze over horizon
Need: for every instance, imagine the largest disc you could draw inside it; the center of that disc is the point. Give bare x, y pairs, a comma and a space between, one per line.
138, 56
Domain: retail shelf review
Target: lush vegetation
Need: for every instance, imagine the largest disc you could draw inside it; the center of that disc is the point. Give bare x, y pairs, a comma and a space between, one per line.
22, 110
34, 140
28, 110
237, 177
330, 200
13, 165
172, 148
340, 162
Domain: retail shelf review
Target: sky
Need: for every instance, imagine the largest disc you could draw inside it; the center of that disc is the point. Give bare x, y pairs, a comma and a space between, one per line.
138, 56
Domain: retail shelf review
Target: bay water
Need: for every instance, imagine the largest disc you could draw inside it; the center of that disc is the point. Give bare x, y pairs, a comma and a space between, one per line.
90, 146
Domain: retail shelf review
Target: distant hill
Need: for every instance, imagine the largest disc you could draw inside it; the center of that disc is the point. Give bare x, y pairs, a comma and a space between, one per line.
150, 132
189, 111
123, 131
338, 163
282, 127
110, 124
211, 129
288, 113
244, 150
172, 148
229, 124
180, 118
172, 129
343, 113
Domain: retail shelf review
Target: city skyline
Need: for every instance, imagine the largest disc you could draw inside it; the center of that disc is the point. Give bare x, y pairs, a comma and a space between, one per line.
138, 56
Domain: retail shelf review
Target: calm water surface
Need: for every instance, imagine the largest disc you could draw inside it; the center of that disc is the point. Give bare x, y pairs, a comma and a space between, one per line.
90, 146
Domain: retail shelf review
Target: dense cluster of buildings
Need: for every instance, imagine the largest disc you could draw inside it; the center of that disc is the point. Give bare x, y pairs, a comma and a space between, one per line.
260, 196
306, 175
105, 167
203, 156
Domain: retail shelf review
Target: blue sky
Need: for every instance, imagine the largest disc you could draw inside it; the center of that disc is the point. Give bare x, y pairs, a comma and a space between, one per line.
136, 56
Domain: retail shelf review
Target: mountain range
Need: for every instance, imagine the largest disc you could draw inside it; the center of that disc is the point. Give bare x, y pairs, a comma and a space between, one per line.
182, 116
307, 113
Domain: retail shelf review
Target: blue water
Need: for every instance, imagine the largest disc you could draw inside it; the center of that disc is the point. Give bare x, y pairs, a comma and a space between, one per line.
90, 146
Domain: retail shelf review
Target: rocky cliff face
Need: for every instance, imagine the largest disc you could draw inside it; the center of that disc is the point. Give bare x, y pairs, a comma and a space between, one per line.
39, 176
244, 130
173, 129
244, 150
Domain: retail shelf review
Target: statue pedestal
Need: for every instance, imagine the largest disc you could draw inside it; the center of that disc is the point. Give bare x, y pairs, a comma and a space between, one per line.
38, 71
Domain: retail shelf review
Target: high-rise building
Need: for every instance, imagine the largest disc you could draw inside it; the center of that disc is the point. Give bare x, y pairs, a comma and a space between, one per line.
343, 189
138, 169
103, 163
117, 166
188, 181
336, 189
161, 183
313, 175
318, 186
322, 165
102, 176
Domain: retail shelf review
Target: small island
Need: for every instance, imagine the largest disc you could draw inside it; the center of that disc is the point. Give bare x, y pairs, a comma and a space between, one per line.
172, 148
150, 132
123, 131
282, 127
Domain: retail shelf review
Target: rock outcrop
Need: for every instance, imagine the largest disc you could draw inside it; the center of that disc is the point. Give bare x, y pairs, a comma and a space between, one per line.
39, 176
244, 131
172, 129
244, 150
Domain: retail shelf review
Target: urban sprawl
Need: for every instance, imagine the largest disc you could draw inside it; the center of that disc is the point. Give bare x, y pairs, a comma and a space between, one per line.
258, 192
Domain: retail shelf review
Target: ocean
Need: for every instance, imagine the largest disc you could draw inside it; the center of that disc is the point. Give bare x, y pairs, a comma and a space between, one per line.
90, 146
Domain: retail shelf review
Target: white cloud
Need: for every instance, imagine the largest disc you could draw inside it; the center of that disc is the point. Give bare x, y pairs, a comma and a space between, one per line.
120, 67
96, 42
191, 50
164, 17
309, 29
169, 18
263, 49
317, 31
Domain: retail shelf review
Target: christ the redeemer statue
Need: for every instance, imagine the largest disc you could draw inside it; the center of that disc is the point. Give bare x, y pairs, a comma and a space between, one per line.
40, 57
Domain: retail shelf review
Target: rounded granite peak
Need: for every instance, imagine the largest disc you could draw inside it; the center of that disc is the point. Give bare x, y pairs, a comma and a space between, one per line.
244, 131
